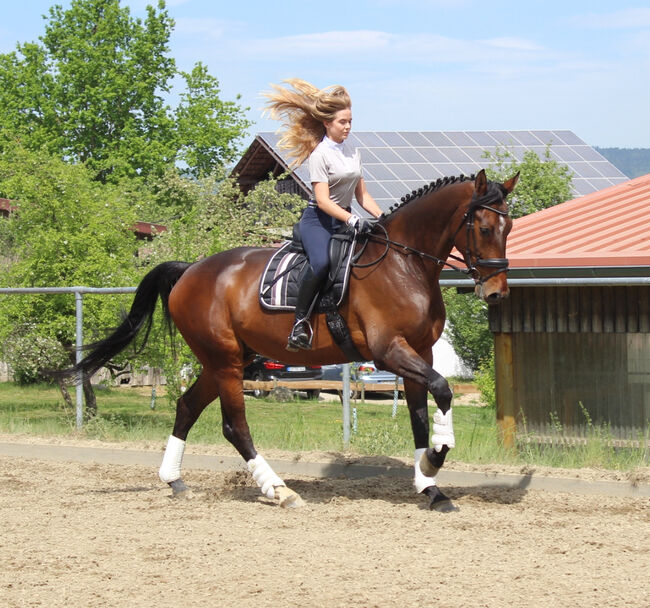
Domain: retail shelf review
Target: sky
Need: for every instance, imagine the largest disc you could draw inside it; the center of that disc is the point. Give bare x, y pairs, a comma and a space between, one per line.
428, 65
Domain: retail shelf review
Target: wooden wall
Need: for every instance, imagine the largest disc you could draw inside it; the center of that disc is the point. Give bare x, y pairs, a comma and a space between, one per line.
566, 355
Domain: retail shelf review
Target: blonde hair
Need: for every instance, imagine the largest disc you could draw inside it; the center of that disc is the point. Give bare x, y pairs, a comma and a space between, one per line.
303, 110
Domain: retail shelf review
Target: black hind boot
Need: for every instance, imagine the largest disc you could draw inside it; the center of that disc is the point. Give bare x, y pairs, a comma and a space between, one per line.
301, 334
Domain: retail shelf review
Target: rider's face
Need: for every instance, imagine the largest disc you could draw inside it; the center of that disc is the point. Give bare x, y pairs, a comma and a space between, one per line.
339, 128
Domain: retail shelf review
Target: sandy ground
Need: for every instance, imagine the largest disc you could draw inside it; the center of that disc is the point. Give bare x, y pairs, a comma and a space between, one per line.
97, 535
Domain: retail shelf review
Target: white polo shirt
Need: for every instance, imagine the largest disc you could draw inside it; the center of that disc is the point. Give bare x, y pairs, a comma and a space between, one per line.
337, 165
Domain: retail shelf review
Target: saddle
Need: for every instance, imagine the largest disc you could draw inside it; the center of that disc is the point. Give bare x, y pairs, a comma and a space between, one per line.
281, 280
281, 277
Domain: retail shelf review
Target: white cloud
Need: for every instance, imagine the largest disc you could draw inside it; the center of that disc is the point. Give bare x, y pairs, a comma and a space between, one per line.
514, 44
209, 29
378, 46
337, 42
630, 18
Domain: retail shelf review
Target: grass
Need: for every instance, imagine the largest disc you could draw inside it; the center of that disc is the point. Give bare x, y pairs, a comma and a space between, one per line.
299, 425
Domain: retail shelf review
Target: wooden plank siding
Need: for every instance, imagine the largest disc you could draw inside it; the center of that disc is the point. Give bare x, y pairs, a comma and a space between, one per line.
605, 309
568, 357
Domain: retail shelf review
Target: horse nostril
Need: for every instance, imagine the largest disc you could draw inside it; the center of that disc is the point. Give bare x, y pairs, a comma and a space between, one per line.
493, 298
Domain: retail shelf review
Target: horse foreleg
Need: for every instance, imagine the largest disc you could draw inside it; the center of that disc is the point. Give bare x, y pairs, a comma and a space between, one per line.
420, 377
188, 408
424, 481
236, 430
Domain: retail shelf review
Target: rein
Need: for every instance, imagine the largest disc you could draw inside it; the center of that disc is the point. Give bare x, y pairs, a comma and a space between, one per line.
500, 264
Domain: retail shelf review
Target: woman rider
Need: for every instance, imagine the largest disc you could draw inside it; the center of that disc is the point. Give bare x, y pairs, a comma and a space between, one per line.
317, 123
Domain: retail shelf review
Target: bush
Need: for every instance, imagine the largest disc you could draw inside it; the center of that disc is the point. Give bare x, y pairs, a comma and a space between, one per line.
29, 353
485, 382
468, 329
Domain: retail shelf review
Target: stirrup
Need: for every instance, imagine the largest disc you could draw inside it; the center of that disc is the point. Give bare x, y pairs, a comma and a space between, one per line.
300, 339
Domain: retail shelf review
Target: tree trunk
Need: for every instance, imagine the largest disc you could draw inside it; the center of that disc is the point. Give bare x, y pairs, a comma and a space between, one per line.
91, 400
67, 399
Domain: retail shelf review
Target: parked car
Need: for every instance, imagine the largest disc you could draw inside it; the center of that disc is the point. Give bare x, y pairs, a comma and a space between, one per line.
264, 370
366, 372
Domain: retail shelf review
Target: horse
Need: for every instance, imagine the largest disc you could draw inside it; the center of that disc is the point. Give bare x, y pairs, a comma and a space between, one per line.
394, 311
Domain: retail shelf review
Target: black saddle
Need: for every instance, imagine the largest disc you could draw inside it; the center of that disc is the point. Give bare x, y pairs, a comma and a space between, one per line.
280, 280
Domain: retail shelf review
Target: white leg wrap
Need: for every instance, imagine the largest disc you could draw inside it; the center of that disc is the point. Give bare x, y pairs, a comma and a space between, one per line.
421, 481
443, 430
264, 475
170, 469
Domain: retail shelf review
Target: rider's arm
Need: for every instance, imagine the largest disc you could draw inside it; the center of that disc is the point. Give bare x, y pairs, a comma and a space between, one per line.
324, 202
366, 200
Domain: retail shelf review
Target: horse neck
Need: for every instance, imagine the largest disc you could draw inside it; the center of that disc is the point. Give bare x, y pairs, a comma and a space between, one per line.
429, 223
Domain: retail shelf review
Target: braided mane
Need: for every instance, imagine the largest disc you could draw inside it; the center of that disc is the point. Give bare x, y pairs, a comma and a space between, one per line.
495, 192
429, 188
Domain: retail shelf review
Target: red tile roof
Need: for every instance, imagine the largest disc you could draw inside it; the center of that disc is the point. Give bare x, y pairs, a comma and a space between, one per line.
147, 230
143, 230
6, 207
610, 227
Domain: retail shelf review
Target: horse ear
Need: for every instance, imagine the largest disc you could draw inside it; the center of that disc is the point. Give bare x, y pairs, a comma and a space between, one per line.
480, 183
511, 183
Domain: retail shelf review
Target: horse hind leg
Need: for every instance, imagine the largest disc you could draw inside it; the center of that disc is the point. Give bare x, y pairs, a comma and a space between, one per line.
236, 430
188, 409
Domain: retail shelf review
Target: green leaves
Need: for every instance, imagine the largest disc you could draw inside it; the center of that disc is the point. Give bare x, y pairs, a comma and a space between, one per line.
207, 128
92, 90
68, 230
542, 183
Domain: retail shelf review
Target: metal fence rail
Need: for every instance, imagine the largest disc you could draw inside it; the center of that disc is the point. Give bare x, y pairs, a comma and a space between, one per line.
78, 296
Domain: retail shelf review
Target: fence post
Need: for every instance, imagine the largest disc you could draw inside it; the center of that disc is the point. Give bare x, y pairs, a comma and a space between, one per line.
346, 405
78, 297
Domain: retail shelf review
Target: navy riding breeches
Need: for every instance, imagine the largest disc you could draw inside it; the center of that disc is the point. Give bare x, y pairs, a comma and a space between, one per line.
316, 229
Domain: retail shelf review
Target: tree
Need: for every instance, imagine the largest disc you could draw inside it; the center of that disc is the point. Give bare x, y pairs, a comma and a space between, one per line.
212, 215
68, 230
542, 183
207, 129
92, 91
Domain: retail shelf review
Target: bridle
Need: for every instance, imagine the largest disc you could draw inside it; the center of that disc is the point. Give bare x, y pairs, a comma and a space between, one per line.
499, 264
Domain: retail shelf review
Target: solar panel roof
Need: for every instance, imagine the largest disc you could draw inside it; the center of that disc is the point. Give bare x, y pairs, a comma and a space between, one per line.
397, 162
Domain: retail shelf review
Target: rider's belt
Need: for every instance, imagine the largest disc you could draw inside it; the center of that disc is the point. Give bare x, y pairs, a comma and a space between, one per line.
313, 203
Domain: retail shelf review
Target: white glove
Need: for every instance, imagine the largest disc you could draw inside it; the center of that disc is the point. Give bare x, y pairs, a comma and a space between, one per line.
353, 221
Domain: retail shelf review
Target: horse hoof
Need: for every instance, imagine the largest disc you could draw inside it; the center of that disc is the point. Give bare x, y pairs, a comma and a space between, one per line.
438, 501
443, 505
288, 499
179, 489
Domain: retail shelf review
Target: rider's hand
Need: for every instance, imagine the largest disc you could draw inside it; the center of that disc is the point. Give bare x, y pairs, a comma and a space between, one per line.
353, 221
360, 224
365, 226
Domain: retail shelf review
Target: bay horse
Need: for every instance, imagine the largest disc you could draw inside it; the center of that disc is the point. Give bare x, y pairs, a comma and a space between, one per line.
394, 311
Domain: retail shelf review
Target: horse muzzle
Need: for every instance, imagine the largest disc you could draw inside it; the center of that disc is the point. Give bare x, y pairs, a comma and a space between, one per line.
494, 287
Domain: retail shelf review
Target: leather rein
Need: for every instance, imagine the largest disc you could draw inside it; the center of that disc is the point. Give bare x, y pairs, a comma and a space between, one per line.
499, 264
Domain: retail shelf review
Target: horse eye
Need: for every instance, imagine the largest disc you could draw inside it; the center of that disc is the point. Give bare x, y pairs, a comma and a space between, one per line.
485, 231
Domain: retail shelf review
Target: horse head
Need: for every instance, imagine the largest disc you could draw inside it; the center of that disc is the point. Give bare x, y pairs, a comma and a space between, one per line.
481, 238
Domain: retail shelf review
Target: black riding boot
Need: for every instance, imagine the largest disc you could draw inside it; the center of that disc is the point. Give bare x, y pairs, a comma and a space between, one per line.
302, 333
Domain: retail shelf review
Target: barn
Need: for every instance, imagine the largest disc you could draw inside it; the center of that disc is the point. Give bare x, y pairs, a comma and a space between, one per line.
572, 343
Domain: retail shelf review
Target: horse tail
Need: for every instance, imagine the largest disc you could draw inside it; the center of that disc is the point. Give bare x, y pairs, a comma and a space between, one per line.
156, 283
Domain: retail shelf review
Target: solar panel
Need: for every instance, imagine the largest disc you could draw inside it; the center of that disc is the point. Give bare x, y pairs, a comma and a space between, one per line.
396, 162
